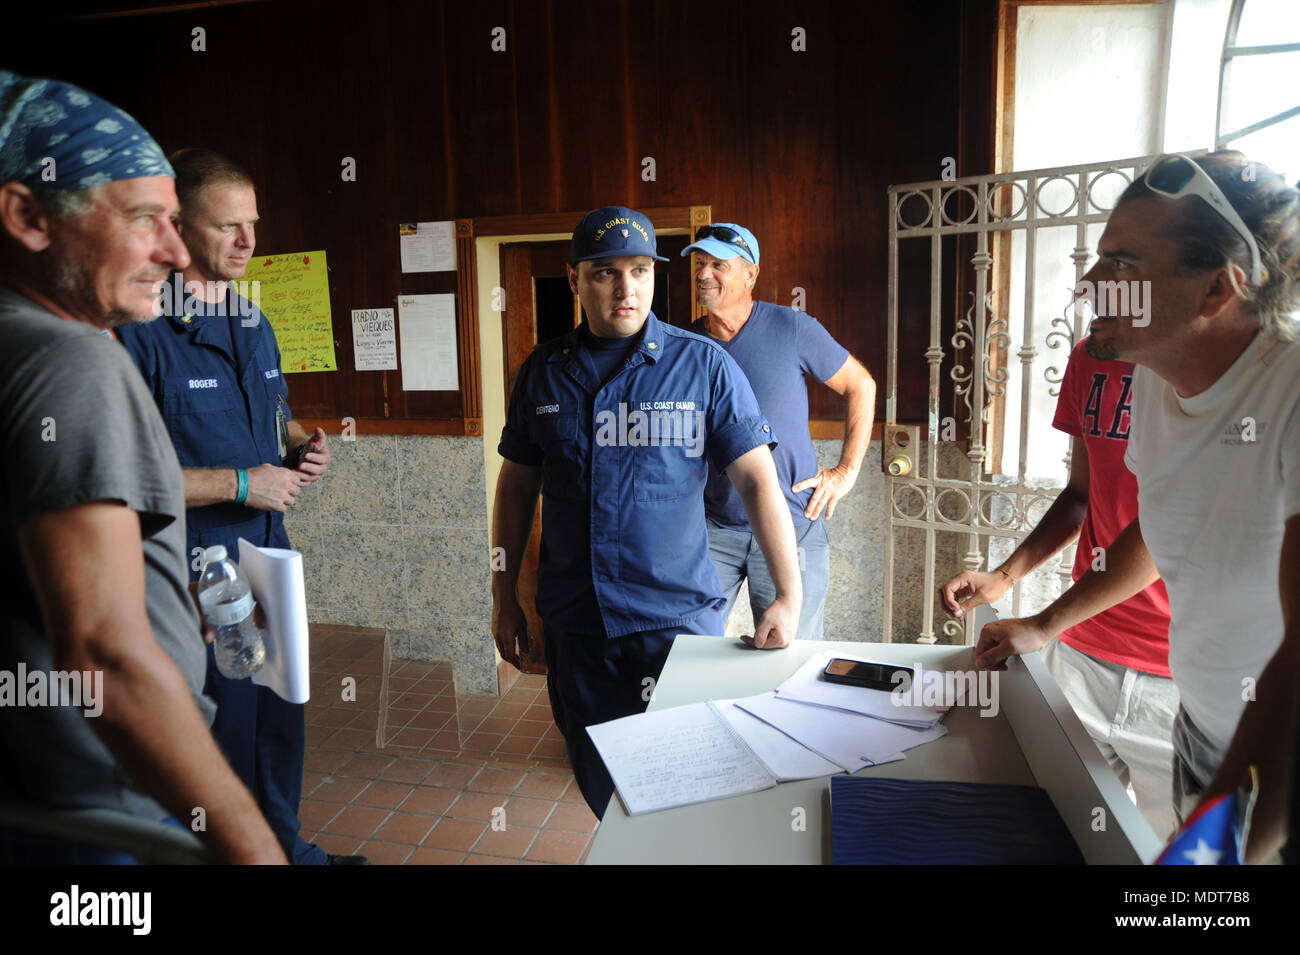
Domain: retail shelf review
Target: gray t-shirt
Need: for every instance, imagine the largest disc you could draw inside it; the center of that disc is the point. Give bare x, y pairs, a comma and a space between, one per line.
78, 425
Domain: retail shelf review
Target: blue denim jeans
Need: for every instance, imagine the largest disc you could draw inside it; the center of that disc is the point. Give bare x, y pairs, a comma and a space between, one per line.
737, 556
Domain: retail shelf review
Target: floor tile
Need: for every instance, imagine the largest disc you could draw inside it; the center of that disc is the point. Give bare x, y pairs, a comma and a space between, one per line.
406, 827
457, 834
492, 780
563, 847
382, 795
429, 799
513, 841
480, 806
524, 811
358, 821
385, 853
573, 817
427, 856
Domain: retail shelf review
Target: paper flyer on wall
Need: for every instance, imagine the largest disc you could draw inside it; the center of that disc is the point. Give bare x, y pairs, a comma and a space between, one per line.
275, 576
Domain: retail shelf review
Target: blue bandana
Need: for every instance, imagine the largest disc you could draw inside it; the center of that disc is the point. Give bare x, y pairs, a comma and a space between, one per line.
89, 140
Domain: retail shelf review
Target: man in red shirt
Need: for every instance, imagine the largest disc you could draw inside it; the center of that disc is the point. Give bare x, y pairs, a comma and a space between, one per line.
1113, 667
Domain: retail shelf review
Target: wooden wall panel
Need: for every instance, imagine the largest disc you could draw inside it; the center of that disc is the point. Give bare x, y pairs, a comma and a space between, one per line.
800, 147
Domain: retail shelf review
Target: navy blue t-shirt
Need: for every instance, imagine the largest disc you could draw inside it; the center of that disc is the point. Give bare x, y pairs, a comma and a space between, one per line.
775, 349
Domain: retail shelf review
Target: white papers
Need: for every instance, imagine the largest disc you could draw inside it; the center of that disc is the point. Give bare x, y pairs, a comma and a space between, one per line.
807, 686
677, 757
428, 246
428, 324
784, 757
275, 576
849, 740
374, 339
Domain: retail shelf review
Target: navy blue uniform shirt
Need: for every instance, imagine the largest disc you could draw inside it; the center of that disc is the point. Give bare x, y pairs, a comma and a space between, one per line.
623, 471
214, 371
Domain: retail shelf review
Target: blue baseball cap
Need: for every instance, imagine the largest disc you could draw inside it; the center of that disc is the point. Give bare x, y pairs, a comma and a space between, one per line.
725, 240
57, 137
613, 232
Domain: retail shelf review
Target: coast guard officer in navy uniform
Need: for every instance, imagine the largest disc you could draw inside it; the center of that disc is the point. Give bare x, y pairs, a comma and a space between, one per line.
213, 366
618, 424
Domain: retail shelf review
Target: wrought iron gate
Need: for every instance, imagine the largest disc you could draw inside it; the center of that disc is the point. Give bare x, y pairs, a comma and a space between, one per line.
1006, 217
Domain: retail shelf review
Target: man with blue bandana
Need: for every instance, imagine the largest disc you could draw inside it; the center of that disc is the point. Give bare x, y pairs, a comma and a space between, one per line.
94, 536
618, 424
213, 367
776, 348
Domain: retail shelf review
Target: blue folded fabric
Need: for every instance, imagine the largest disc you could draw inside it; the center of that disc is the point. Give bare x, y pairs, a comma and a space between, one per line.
918, 822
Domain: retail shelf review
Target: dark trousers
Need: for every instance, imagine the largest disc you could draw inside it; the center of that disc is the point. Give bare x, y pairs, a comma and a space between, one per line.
593, 679
18, 847
263, 737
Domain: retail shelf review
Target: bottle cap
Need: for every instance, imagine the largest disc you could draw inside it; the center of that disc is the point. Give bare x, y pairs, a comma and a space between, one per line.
214, 554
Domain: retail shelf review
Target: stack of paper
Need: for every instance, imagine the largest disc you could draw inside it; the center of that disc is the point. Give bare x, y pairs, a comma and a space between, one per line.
807, 686
849, 740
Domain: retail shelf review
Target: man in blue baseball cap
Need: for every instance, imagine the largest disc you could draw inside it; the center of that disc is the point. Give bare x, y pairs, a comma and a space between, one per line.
619, 424
776, 347
94, 536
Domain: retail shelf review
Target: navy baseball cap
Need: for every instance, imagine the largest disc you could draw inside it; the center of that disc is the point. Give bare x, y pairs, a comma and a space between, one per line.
725, 240
613, 232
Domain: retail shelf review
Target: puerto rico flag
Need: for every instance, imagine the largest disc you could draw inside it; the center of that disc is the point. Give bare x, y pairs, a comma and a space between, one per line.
1216, 833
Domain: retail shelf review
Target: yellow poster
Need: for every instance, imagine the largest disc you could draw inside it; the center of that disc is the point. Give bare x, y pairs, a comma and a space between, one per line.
295, 295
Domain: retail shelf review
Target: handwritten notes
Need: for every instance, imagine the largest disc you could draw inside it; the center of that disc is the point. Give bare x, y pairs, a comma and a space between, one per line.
374, 339
295, 295
676, 757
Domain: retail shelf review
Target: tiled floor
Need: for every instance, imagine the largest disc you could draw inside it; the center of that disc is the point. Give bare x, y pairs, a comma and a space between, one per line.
460, 779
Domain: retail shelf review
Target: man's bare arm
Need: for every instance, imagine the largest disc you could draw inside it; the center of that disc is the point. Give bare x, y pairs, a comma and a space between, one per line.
754, 476
270, 488
86, 567
1129, 569
856, 384
512, 523
1263, 737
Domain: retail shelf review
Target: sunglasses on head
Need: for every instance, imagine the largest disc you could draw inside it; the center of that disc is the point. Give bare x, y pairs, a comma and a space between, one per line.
723, 234
1176, 176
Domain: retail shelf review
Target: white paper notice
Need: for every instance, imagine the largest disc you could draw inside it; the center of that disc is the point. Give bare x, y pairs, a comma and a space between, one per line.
785, 758
374, 339
676, 757
428, 246
846, 739
275, 576
428, 325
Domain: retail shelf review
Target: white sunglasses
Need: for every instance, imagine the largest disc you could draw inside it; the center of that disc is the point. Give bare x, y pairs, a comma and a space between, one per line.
1176, 175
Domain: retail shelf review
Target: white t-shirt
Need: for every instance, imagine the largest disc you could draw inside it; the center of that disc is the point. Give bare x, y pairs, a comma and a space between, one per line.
1218, 476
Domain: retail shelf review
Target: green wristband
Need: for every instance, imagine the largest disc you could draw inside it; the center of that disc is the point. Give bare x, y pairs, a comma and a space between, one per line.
241, 494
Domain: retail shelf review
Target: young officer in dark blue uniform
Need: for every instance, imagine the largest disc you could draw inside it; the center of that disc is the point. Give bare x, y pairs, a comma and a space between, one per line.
618, 424
213, 366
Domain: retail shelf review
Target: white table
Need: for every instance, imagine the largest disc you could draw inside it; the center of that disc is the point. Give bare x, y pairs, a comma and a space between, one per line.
1035, 739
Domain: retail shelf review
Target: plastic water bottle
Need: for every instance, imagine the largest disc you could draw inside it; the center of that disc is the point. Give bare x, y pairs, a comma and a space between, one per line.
228, 604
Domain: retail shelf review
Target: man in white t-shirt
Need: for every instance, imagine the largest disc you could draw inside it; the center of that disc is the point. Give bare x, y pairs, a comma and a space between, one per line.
1212, 249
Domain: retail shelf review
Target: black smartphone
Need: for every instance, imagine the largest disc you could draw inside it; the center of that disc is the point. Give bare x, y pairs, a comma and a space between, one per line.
873, 676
